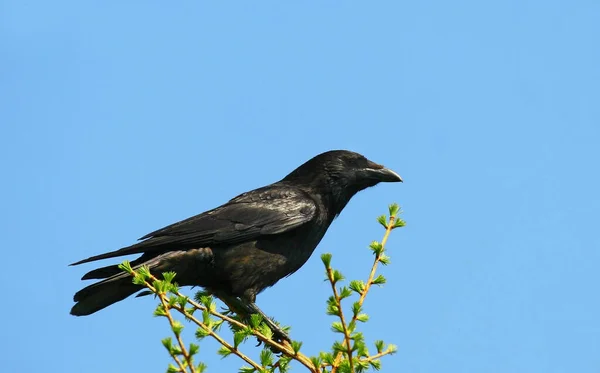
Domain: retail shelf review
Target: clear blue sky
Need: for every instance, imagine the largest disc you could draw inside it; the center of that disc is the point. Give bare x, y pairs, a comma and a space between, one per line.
119, 118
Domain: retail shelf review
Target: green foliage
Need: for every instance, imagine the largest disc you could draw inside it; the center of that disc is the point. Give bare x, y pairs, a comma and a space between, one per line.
394, 209
377, 247
296, 346
326, 258
349, 354
266, 358
177, 327
193, 349
379, 280
255, 321
202, 333
384, 259
357, 286
126, 267
345, 292
383, 221
224, 351
239, 337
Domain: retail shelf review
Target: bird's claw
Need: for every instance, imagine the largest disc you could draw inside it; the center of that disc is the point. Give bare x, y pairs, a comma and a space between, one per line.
279, 336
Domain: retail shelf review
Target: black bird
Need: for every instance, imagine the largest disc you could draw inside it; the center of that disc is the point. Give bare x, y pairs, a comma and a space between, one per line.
238, 249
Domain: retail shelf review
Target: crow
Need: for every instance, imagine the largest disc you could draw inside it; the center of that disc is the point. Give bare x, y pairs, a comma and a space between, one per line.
240, 248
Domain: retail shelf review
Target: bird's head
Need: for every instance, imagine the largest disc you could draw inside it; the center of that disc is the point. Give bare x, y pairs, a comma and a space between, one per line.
342, 173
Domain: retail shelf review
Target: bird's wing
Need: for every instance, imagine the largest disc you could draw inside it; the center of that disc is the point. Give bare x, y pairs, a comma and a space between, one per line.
266, 211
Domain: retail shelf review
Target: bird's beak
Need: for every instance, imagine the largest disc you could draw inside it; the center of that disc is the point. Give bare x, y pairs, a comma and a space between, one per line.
387, 175
382, 174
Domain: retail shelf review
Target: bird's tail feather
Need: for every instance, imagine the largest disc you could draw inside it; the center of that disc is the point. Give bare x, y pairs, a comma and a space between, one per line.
103, 272
112, 270
116, 284
102, 294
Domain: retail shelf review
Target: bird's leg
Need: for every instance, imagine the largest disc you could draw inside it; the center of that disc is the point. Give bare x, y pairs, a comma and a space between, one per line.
245, 308
278, 333
234, 304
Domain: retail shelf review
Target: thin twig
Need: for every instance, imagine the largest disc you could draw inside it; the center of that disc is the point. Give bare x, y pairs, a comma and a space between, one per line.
200, 324
179, 363
184, 351
285, 349
219, 339
365, 359
338, 302
388, 230
375, 262
377, 356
